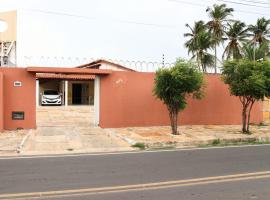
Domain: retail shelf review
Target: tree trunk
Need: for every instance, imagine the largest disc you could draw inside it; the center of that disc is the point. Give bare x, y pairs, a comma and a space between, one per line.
173, 113
249, 111
244, 119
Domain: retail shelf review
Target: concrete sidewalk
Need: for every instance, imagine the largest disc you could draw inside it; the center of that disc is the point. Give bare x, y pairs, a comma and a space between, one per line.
87, 139
10, 141
71, 129
63, 140
160, 136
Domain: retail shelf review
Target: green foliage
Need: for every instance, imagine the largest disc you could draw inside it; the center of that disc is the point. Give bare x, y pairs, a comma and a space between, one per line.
199, 43
139, 145
219, 16
241, 40
236, 35
174, 85
252, 52
216, 142
248, 80
260, 31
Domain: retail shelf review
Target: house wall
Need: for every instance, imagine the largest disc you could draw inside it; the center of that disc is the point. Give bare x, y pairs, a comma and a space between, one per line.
126, 100
18, 98
1, 102
266, 110
111, 67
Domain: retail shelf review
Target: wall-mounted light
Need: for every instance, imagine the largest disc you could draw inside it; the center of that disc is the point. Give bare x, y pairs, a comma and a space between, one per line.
17, 84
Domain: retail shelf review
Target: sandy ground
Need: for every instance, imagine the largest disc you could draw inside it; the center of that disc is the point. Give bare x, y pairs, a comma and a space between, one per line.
191, 135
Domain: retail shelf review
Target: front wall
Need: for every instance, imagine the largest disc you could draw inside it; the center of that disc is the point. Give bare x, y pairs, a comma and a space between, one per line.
1, 102
19, 98
126, 100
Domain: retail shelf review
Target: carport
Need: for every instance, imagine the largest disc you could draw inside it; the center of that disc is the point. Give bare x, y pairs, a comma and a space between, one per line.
78, 88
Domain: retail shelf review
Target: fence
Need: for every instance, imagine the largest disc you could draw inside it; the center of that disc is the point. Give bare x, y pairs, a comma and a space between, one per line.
141, 66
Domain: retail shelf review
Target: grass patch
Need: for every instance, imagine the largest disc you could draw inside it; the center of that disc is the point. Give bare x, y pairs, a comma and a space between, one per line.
220, 143
139, 145
162, 148
216, 142
260, 124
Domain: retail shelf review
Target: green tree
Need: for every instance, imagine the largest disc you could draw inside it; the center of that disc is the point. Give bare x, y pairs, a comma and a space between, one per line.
219, 17
236, 34
260, 52
191, 44
199, 43
260, 31
174, 85
204, 44
248, 80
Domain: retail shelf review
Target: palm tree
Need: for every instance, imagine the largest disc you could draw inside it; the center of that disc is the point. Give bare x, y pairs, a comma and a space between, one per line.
204, 43
255, 53
191, 44
218, 20
236, 35
199, 43
260, 31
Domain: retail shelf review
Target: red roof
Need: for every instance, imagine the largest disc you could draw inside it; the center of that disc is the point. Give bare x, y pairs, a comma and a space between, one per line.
65, 70
66, 76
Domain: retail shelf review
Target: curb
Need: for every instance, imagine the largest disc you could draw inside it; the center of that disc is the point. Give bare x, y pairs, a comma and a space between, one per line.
25, 138
128, 140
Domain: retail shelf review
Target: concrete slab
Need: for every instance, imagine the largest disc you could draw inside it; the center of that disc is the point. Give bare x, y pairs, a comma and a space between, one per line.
70, 130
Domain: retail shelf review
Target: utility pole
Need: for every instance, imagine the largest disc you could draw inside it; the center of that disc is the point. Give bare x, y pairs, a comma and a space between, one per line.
163, 60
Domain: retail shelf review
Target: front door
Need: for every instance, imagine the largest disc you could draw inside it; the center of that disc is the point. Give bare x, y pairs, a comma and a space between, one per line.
76, 93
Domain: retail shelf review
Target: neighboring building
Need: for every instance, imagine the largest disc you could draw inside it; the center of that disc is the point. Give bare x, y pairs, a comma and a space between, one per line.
8, 39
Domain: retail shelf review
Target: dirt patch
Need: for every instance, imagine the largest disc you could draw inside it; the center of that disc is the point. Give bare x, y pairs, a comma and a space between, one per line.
192, 135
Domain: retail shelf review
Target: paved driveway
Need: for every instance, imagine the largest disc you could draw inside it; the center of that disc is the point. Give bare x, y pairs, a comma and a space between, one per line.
70, 129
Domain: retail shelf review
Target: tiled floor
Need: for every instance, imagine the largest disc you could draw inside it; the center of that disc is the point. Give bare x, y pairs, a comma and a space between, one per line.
65, 116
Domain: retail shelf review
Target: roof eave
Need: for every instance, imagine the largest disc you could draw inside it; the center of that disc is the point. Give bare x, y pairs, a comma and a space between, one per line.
65, 70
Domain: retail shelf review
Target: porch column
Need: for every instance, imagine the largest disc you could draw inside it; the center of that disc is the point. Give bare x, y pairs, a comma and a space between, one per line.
66, 92
37, 93
96, 99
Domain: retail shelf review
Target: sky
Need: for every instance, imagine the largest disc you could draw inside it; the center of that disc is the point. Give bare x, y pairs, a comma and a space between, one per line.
118, 29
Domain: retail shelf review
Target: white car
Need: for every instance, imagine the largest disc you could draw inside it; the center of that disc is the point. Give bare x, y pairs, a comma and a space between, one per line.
51, 97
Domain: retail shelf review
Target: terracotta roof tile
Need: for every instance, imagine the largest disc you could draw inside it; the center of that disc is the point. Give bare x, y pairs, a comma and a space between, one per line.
66, 76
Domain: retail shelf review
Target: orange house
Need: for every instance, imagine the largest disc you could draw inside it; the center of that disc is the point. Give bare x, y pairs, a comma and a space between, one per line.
120, 97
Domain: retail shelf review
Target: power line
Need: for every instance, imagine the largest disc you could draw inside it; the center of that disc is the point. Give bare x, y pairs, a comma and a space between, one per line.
111, 19
152, 24
245, 4
256, 2
204, 5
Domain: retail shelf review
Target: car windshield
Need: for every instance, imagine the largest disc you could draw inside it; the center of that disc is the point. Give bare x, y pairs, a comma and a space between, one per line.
51, 92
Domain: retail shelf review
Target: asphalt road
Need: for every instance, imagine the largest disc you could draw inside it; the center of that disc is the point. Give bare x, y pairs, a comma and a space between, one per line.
258, 190
96, 171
